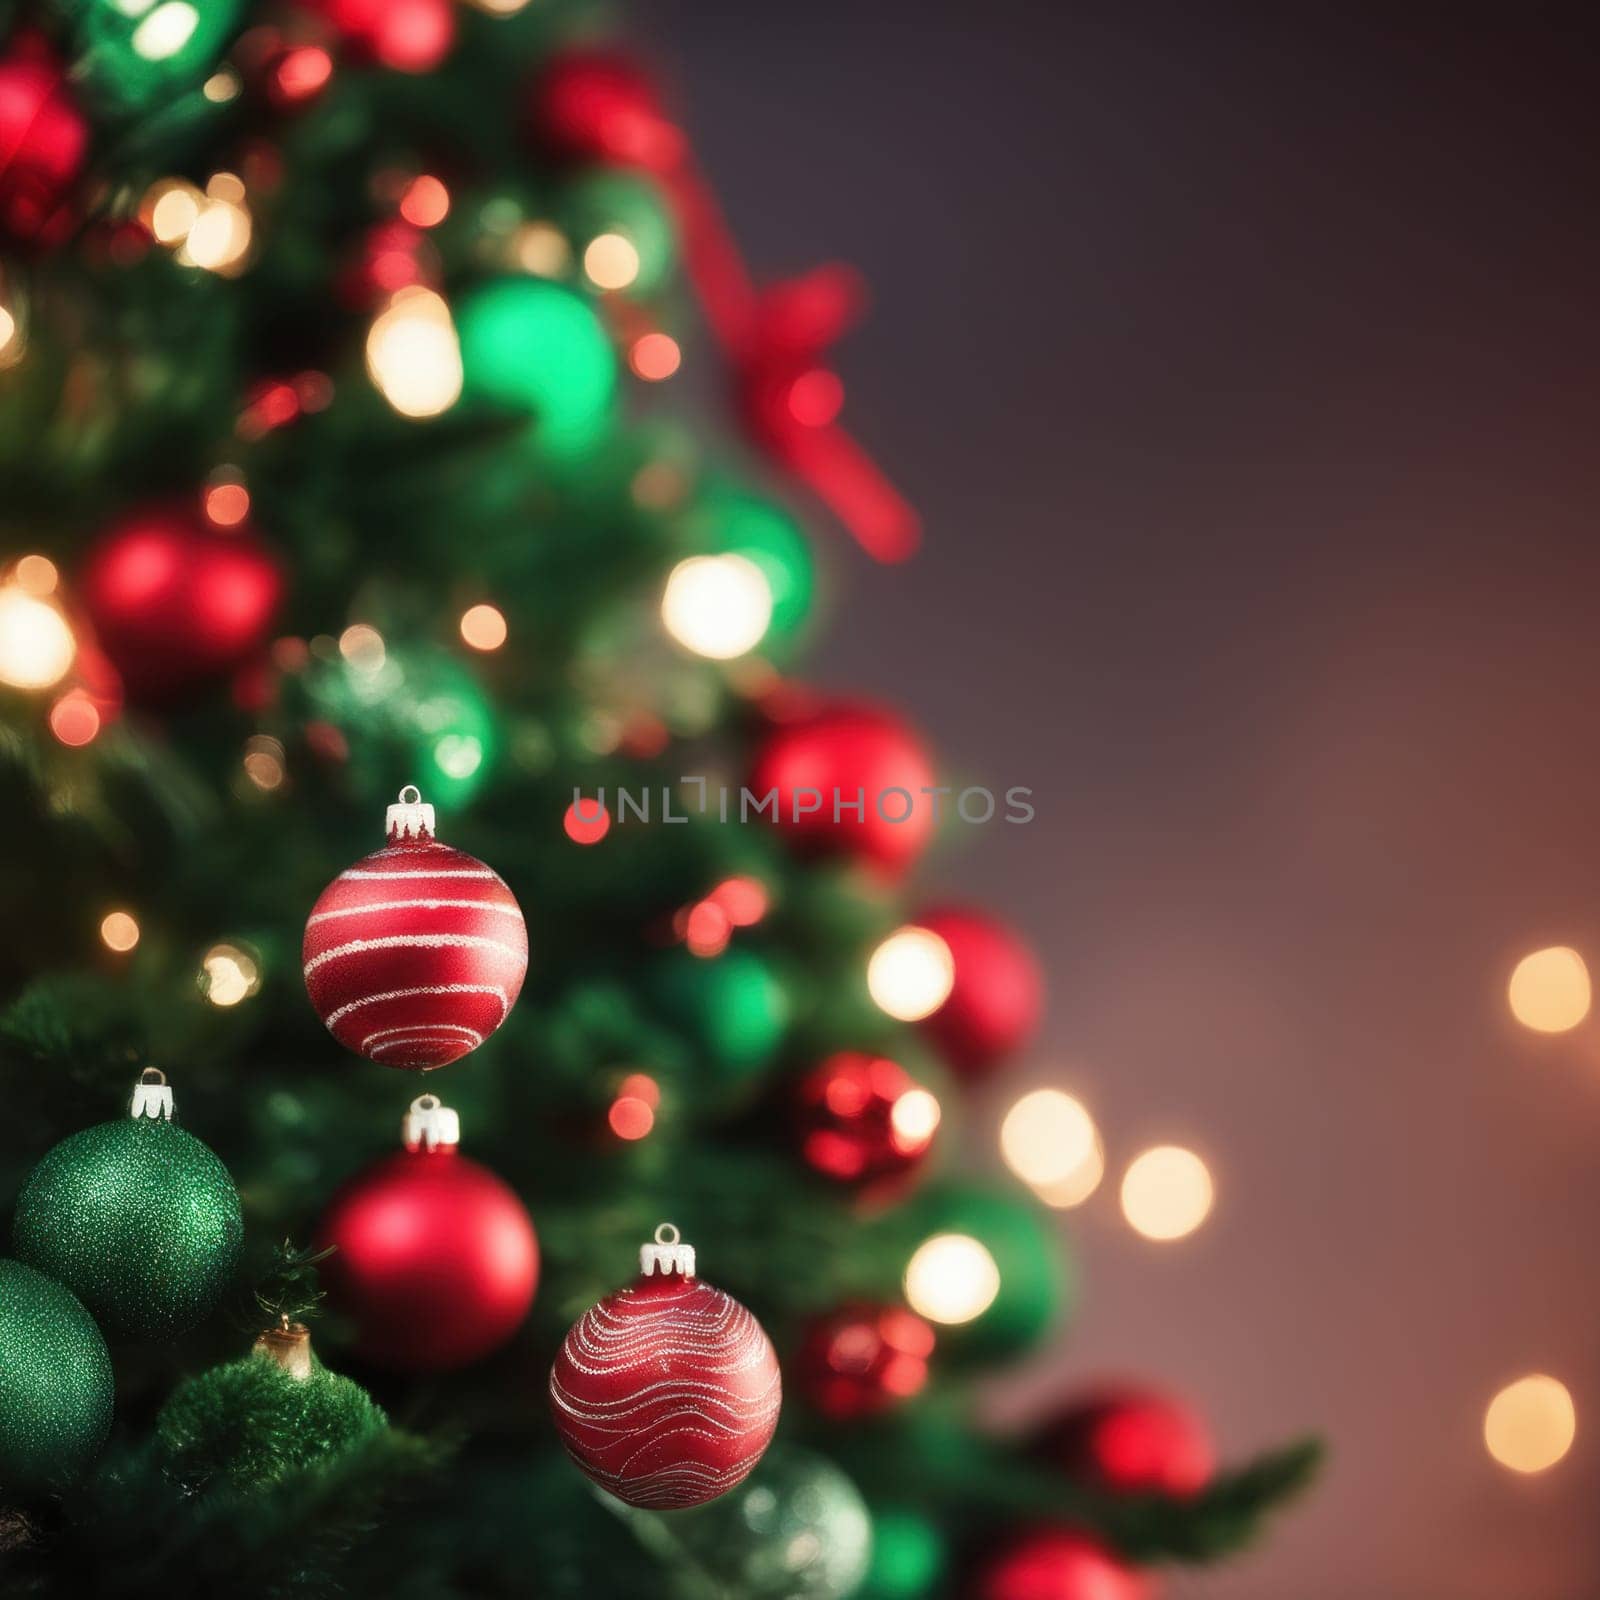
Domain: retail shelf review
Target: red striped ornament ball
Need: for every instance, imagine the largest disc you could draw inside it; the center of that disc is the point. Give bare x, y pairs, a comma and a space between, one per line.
417, 953
666, 1393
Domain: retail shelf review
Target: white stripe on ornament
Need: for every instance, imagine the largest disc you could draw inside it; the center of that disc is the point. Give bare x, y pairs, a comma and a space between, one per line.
411, 1029
413, 941
421, 988
357, 875
418, 905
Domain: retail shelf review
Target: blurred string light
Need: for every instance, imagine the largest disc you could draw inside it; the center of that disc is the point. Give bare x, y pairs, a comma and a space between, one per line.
163, 32
75, 719
717, 606
633, 1112
1166, 1192
541, 248
1050, 1141
951, 1279
910, 974
209, 228
499, 8
12, 342
264, 761
483, 627
413, 354
229, 975
222, 86
654, 357
586, 822
426, 202
1530, 1424
119, 931
1549, 990
611, 261
226, 501
362, 646
36, 645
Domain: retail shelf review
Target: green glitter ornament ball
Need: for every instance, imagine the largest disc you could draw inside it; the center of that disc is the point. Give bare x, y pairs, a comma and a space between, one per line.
250, 1423
55, 1382
139, 1219
795, 1529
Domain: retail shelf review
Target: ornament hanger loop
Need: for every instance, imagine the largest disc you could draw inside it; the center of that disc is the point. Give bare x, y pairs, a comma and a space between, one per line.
152, 1097
668, 1254
430, 1125
411, 817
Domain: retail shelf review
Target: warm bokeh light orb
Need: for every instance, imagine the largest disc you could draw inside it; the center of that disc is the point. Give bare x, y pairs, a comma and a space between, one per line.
229, 975
951, 1279
483, 627
36, 645
1166, 1192
910, 974
36, 575
655, 356
75, 719
586, 822
119, 931
1549, 990
1530, 1424
1046, 1137
610, 261
717, 606
413, 354
362, 646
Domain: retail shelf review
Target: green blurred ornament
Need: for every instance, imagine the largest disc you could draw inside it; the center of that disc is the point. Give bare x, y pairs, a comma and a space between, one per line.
138, 1218
136, 54
795, 1529
250, 1423
987, 1267
732, 1006
909, 1555
730, 521
410, 714
55, 1382
629, 207
537, 346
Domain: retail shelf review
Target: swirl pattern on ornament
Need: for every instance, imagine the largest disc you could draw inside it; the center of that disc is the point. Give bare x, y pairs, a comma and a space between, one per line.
666, 1393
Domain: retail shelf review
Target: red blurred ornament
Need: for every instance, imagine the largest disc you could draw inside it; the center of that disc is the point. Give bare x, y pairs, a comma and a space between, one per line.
417, 953
862, 1360
178, 604
599, 105
393, 255
864, 1117
1057, 1564
407, 35
996, 993
1132, 1441
590, 105
666, 1393
822, 763
434, 1258
44, 142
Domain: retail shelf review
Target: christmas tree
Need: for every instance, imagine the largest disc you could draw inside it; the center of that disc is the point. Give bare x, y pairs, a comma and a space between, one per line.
400, 665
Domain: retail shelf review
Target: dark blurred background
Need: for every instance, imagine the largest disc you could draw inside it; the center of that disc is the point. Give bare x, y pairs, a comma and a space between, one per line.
1242, 359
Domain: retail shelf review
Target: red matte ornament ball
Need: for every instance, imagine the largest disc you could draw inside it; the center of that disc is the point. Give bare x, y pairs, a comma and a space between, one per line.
1131, 1441
861, 1361
177, 604
666, 1393
823, 763
996, 995
44, 143
407, 35
1059, 1564
435, 1260
416, 954
864, 1118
